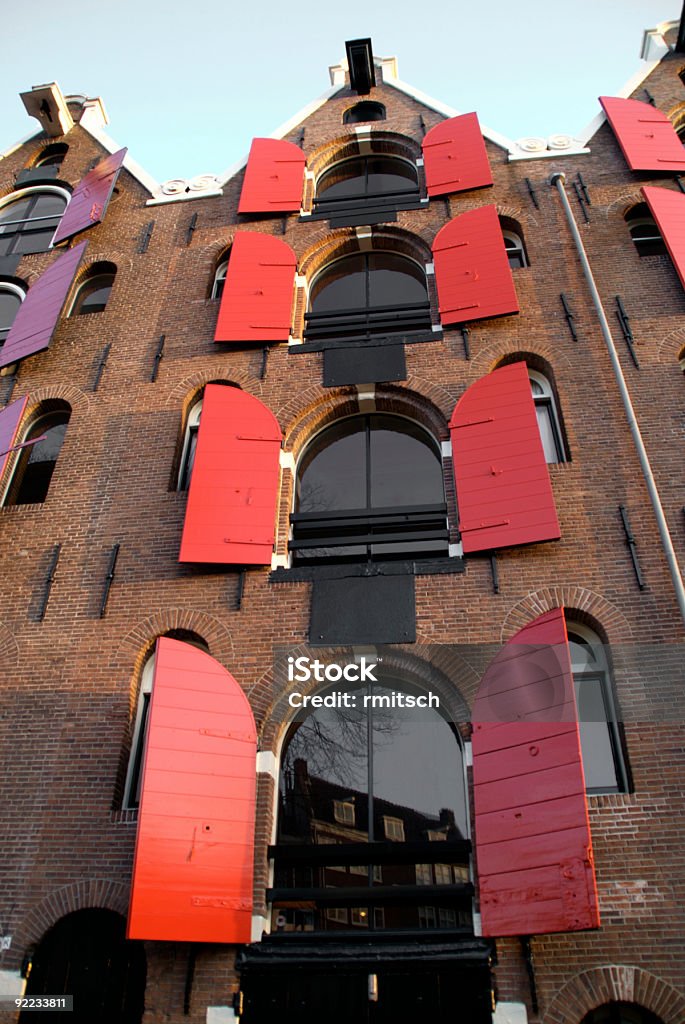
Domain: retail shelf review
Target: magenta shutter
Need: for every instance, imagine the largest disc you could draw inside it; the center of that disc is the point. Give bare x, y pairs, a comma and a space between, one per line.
257, 300
91, 197
504, 494
40, 311
533, 847
274, 177
455, 157
10, 418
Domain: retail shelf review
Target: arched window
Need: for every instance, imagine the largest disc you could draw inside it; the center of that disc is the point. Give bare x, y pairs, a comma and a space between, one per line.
35, 464
368, 294
370, 488
516, 253
140, 723
601, 743
363, 181
548, 417
189, 446
28, 222
644, 232
52, 156
621, 1013
219, 280
359, 818
94, 291
366, 110
11, 298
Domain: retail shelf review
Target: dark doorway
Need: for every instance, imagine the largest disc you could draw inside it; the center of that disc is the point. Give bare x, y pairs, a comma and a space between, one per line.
86, 954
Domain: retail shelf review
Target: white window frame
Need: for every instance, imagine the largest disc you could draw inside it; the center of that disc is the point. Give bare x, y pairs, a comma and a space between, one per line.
515, 248
192, 427
219, 280
131, 799
21, 193
546, 400
14, 289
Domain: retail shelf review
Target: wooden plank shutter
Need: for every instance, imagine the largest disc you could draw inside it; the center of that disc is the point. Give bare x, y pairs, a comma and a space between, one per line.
668, 210
646, 136
39, 313
274, 177
533, 845
455, 157
88, 204
472, 270
192, 874
231, 512
10, 418
256, 304
504, 494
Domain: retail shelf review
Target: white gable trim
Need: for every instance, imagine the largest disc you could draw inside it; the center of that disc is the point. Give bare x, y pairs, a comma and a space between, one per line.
623, 93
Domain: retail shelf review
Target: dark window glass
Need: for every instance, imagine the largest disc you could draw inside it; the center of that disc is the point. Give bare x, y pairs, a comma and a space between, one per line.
644, 232
367, 110
367, 280
28, 224
93, 294
621, 1013
366, 177
52, 156
364, 759
36, 464
386, 473
9, 307
188, 460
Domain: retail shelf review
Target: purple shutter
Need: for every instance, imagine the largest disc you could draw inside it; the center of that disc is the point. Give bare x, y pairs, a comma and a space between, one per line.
38, 314
88, 204
10, 418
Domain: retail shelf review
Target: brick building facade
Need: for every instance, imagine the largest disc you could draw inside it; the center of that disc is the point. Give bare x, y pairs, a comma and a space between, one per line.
90, 577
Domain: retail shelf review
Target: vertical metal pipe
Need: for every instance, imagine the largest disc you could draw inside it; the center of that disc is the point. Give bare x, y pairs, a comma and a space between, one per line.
667, 544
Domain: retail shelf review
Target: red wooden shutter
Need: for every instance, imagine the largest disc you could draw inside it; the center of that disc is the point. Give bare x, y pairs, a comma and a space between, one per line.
472, 270
274, 177
40, 311
455, 157
504, 492
257, 300
231, 512
192, 874
668, 210
91, 197
10, 418
533, 846
646, 136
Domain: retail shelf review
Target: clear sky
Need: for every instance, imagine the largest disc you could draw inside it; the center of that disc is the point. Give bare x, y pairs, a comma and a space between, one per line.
187, 85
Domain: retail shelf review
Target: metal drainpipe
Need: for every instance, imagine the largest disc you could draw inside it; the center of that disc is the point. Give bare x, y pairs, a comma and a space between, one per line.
558, 180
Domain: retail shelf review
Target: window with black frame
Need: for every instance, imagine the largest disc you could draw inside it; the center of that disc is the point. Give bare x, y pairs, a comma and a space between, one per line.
370, 488
364, 182
28, 223
365, 840
367, 296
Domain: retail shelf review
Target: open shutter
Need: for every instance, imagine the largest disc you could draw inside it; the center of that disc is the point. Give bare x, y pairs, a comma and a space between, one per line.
533, 846
91, 197
455, 157
192, 874
257, 300
504, 494
10, 418
231, 512
646, 136
472, 270
668, 210
274, 177
40, 311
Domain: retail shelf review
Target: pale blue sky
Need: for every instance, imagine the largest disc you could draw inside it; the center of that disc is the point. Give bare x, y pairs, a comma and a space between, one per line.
187, 85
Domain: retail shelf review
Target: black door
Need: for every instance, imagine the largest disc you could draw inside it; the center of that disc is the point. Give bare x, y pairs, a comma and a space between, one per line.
86, 954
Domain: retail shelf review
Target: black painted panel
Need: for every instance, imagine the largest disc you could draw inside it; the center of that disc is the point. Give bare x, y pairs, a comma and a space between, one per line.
8, 265
370, 365
363, 610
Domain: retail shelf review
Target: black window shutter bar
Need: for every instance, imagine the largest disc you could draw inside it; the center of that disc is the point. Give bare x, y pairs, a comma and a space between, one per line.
624, 321
146, 236
583, 188
570, 319
49, 580
630, 541
265, 357
581, 201
422, 125
494, 569
159, 355
679, 182
101, 367
10, 389
239, 590
191, 229
114, 554
532, 193
465, 339
650, 98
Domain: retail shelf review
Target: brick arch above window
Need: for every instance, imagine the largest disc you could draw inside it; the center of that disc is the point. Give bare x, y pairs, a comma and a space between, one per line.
84, 894
615, 982
346, 146
135, 647
582, 604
